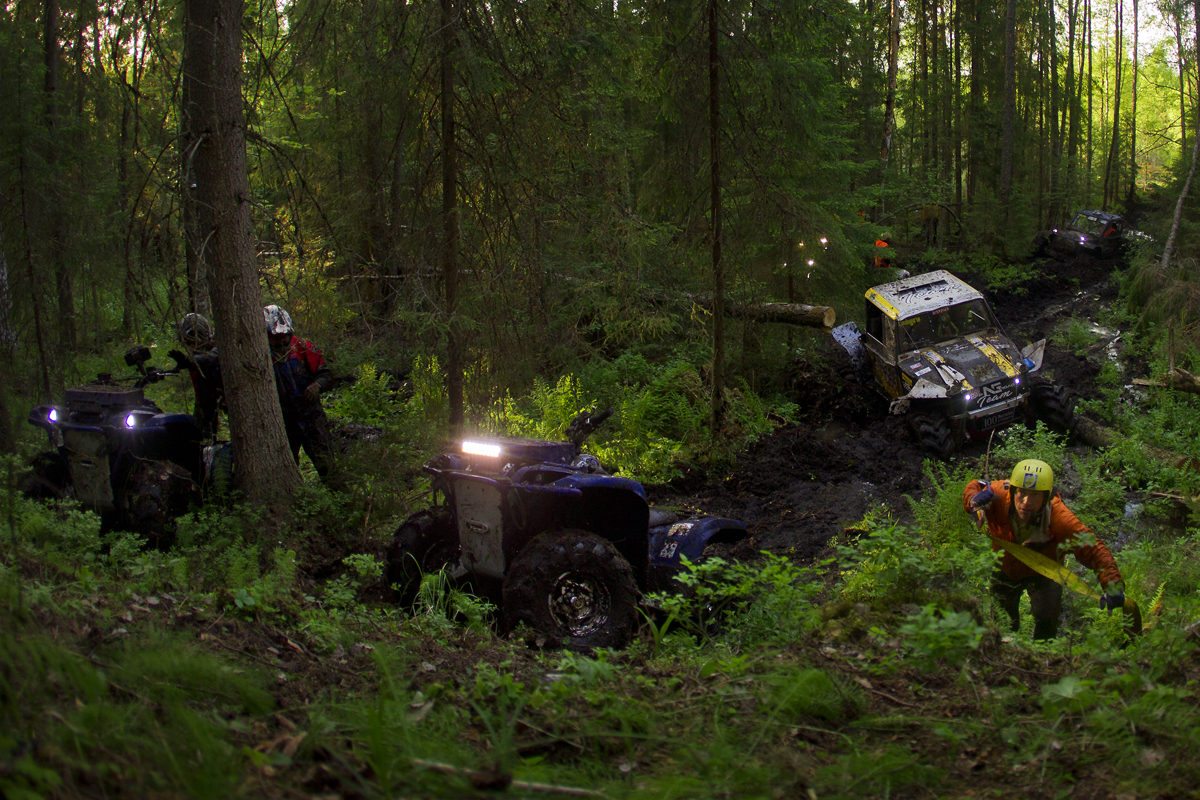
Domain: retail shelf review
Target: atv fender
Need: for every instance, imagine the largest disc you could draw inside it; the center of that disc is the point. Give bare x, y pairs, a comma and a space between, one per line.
670, 543
1034, 354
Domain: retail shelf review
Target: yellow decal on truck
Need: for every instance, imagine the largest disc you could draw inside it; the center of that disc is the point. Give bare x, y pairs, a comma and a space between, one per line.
889, 309
994, 355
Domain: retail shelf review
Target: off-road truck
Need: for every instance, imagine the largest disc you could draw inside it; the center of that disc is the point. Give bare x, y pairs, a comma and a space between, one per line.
934, 348
1095, 233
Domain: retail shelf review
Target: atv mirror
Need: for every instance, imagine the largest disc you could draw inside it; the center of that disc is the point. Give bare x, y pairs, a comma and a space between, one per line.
137, 355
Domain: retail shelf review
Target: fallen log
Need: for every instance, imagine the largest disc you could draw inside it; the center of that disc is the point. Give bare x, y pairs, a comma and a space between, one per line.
786, 313
1178, 379
1097, 435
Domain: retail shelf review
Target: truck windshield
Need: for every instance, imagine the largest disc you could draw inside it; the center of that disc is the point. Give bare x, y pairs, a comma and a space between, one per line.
936, 326
1088, 224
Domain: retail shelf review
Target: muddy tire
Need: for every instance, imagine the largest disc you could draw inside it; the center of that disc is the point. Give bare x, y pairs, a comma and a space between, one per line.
157, 493
933, 434
425, 542
1051, 404
48, 478
572, 587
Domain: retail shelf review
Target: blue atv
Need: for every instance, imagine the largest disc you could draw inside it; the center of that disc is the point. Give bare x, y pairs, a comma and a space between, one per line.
119, 455
565, 549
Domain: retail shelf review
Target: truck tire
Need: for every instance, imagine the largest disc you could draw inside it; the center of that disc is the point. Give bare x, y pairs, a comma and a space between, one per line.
574, 588
425, 542
933, 434
1052, 405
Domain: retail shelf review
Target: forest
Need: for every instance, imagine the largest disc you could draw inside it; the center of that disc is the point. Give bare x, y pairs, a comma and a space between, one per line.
499, 222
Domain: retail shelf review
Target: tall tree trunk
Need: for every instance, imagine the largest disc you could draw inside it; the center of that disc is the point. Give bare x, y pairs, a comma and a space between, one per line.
197, 218
454, 368
889, 114
975, 105
1182, 79
1115, 144
1133, 168
62, 274
1187, 184
958, 120
1008, 122
265, 470
1087, 17
31, 275
1055, 129
1071, 105
718, 267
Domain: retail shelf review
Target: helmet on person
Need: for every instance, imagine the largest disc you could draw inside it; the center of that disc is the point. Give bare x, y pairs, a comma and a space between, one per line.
1033, 475
196, 331
278, 320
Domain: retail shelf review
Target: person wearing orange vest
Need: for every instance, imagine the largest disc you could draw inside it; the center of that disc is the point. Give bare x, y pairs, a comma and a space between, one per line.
881, 255
1025, 509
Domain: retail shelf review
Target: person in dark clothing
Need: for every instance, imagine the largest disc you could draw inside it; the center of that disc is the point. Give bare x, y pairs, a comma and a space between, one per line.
204, 367
301, 374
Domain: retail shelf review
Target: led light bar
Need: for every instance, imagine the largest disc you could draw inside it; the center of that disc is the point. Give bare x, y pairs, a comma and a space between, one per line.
481, 449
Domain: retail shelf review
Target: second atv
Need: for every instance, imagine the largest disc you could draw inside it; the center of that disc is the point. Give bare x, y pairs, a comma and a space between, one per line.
563, 547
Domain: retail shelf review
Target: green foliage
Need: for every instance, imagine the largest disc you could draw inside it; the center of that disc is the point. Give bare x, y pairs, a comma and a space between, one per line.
803, 695
1074, 335
368, 401
938, 638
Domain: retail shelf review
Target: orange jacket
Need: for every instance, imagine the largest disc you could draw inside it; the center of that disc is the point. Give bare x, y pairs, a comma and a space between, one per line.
1064, 527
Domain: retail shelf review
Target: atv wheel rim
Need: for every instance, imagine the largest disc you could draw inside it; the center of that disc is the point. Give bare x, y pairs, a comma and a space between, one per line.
579, 604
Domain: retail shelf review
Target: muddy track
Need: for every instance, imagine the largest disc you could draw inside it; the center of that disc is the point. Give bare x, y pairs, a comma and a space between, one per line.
801, 485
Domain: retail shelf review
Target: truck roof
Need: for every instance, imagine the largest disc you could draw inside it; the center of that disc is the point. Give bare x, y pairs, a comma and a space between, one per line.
911, 296
1100, 216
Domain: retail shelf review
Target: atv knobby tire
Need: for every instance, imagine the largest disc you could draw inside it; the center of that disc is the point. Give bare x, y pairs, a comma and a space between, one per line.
933, 434
425, 542
574, 588
1051, 404
157, 493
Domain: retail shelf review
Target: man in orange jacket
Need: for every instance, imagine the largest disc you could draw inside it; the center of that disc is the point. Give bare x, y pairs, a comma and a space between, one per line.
1025, 509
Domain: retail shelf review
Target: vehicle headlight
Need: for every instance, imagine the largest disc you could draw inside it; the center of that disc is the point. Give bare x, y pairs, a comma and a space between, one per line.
967, 397
53, 415
1083, 238
481, 449
131, 421
1016, 381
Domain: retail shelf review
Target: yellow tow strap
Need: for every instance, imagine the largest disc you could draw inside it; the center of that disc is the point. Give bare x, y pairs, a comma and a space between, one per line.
1064, 577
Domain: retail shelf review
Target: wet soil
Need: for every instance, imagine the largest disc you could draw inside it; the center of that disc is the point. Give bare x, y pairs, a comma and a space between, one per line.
806, 482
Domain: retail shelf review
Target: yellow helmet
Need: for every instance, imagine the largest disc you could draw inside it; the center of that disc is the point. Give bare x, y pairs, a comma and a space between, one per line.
1032, 474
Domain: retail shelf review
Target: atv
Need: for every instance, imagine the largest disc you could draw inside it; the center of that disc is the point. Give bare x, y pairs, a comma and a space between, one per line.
1094, 233
933, 347
561, 546
120, 456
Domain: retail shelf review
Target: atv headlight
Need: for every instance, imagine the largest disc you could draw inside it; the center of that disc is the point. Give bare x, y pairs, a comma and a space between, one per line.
131, 421
1082, 238
481, 449
967, 397
1016, 381
53, 415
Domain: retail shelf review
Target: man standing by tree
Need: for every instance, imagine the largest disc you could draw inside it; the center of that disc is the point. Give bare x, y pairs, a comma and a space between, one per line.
301, 374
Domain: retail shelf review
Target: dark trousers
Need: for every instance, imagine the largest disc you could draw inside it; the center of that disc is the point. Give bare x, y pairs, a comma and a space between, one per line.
1045, 596
313, 434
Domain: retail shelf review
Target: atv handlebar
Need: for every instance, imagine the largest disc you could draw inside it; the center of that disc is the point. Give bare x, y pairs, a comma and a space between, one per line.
585, 424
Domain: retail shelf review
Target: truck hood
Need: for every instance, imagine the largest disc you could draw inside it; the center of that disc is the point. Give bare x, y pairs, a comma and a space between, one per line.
965, 364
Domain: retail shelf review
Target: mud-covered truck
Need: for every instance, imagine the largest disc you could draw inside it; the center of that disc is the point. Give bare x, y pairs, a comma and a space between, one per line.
934, 348
1098, 234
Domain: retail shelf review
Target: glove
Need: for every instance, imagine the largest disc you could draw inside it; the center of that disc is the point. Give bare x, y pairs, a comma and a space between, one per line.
1114, 597
180, 358
312, 392
983, 499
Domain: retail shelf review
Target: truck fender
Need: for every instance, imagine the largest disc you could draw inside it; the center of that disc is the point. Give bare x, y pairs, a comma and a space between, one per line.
1034, 354
921, 390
